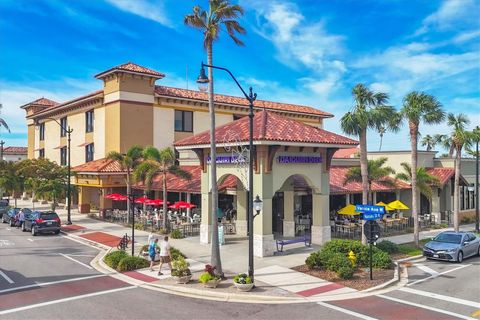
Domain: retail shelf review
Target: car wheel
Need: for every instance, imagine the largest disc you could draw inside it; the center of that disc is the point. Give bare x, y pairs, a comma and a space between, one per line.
460, 257
34, 231
478, 253
57, 231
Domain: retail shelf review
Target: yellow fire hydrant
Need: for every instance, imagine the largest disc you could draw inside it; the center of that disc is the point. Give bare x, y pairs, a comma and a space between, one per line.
352, 258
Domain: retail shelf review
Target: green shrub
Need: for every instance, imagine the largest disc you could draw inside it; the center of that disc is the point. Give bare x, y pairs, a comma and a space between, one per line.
466, 220
139, 226
345, 272
113, 258
176, 234
242, 278
313, 261
180, 267
381, 259
205, 277
132, 263
387, 246
334, 261
176, 253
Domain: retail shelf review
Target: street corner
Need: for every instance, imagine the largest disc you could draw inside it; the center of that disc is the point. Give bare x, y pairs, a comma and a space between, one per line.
72, 228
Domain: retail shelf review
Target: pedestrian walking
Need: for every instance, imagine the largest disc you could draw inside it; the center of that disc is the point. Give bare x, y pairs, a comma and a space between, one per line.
152, 252
165, 256
21, 219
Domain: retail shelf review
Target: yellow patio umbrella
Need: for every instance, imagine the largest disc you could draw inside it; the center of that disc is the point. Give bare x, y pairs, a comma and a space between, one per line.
397, 204
348, 210
387, 207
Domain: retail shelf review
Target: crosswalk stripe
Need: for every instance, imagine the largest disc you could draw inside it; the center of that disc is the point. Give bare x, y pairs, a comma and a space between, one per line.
426, 269
441, 297
350, 312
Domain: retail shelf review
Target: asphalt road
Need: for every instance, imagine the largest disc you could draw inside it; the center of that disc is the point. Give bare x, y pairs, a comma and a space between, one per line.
49, 277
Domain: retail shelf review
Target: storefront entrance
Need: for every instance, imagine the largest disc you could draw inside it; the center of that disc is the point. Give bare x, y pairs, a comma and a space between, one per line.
277, 214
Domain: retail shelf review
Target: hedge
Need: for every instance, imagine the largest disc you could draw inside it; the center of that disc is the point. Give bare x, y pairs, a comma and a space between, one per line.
113, 258
130, 263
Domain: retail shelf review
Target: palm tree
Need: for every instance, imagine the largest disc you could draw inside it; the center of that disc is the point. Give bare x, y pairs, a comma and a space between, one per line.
419, 107
369, 112
381, 131
128, 162
3, 123
429, 141
460, 138
221, 13
158, 162
425, 181
376, 172
446, 143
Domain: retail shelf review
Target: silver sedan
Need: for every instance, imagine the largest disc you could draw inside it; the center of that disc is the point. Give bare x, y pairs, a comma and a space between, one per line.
452, 246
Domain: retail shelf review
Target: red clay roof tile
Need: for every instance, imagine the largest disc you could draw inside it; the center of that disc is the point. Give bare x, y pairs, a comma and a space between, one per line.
220, 98
15, 150
44, 102
347, 153
99, 166
131, 67
268, 126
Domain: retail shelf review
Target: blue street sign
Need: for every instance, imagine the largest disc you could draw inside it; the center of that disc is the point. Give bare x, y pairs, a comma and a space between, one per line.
372, 216
370, 212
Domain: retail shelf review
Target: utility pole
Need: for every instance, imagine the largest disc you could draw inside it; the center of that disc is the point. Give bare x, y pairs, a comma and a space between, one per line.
1, 149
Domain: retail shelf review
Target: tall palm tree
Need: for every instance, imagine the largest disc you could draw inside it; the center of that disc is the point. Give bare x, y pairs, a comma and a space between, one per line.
220, 14
446, 142
158, 162
460, 138
377, 171
419, 107
369, 112
381, 132
3, 123
429, 141
425, 181
128, 162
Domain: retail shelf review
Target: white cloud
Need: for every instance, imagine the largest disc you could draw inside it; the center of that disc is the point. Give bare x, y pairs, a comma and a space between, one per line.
466, 36
153, 11
448, 16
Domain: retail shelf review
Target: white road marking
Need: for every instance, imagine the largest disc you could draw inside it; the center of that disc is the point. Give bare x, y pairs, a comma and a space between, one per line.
453, 314
75, 260
6, 243
44, 284
439, 274
80, 241
6, 277
441, 297
42, 304
83, 255
426, 269
29, 239
350, 312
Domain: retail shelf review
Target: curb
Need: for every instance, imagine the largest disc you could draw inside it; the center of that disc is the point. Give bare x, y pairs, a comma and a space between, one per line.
410, 258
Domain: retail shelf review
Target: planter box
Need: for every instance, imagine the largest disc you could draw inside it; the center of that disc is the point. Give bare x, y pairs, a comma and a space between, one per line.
244, 287
182, 280
212, 283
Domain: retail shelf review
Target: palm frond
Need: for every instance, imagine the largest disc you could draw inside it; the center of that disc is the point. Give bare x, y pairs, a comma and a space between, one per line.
179, 172
4, 124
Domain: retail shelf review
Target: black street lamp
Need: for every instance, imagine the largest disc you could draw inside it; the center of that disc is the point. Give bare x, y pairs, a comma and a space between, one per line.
1, 149
251, 97
131, 199
69, 186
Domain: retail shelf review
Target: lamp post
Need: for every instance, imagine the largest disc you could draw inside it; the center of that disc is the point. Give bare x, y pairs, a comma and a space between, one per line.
251, 97
131, 199
1, 149
69, 131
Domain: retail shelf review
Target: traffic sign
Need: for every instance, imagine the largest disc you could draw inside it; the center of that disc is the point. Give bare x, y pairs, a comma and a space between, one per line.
372, 216
371, 230
369, 209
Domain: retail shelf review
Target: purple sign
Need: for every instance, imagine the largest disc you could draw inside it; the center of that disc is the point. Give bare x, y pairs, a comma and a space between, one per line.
228, 159
299, 159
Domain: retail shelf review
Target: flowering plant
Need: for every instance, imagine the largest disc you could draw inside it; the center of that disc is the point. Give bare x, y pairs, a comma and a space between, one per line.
242, 278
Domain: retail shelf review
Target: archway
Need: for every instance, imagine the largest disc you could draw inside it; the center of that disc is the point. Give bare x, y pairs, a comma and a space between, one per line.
232, 204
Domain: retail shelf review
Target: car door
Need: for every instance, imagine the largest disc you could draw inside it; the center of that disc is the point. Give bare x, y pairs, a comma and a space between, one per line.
28, 221
472, 245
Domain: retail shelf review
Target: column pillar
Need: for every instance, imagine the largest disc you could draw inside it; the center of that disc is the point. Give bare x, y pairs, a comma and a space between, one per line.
435, 202
241, 222
321, 231
288, 209
374, 198
347, 199
263, 242
84, 200
188, 200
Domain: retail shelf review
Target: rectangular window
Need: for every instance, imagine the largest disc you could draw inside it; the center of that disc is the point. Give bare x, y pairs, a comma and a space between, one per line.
183, 121
63, 156
89, 151
89, 120
63, 127
42, 131
41, 153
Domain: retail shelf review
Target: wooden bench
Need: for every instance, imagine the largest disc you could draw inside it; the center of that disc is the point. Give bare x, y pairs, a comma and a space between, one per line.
304, 239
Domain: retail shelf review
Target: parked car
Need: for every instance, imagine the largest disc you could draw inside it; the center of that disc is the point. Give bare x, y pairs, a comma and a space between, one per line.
11, 215
41, 222
452, 246
3, 207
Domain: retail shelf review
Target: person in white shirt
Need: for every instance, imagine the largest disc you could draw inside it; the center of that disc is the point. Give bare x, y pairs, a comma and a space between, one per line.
165, 256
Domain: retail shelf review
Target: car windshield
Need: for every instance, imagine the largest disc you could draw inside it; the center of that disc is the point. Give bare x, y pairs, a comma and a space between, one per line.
448, 238
49, 216
26, 210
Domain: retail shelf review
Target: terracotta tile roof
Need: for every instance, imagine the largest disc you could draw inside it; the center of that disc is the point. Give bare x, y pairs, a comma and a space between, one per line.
337, 177
68, 103
347, 153
44, 102
99, 166
131, 67
176, 184
219, 98
268, 126
15, 150
445, 174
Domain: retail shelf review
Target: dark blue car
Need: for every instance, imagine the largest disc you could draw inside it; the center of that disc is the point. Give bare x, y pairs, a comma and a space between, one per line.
41, 222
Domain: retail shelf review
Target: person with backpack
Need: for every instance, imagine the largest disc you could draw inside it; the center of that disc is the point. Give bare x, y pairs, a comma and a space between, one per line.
152, 251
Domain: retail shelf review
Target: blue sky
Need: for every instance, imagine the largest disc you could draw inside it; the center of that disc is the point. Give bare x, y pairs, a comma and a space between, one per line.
304, 52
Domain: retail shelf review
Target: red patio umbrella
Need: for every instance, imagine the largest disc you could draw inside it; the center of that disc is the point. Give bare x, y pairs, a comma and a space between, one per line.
142, 200
119, 197
156, 202
182, 205
113, 196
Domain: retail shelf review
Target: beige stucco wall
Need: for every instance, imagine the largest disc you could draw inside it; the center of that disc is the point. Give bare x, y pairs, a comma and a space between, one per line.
395, 158
99, 133
77, 123
52, 140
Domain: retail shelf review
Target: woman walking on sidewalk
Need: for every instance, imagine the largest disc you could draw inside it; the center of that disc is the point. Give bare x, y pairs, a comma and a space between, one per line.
152, 251
165, 256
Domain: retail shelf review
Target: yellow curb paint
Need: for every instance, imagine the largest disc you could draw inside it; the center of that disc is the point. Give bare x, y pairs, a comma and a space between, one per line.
476, 314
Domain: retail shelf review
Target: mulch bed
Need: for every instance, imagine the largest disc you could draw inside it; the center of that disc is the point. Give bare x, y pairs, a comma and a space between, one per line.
361, 277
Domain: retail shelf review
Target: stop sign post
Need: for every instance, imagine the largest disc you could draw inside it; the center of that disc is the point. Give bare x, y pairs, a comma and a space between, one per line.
372, 233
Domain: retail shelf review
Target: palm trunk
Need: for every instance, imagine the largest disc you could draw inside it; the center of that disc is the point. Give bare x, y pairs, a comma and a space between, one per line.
456, 191
364, 173
381, 141
215, 259
164, 196
413, 142
129, 189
